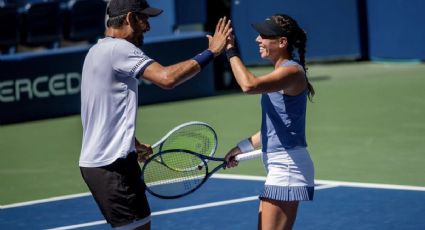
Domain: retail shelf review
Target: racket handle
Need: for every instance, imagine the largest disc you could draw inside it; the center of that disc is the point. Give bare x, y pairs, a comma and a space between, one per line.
249, 155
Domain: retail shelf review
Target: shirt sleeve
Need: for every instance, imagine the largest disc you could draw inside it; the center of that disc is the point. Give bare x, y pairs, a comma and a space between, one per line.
128, 60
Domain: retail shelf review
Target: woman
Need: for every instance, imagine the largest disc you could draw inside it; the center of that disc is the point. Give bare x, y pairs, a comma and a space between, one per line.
290, 171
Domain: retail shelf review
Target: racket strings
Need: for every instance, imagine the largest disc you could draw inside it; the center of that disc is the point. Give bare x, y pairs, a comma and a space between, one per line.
196, 138
164, 181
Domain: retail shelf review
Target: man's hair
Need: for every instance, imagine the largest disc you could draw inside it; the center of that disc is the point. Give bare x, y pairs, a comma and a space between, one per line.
116, 22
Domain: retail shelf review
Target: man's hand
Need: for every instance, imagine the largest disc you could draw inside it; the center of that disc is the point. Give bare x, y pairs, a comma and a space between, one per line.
143, 151
222, 32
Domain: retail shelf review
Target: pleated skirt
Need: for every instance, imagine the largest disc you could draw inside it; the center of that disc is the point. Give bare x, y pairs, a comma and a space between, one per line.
290, 175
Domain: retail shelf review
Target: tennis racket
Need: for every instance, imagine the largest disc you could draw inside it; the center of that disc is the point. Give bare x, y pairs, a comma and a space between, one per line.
164, 182
194, 136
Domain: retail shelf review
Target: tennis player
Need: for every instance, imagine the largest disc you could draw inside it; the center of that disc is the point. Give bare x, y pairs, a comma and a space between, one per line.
109, 92
284, 92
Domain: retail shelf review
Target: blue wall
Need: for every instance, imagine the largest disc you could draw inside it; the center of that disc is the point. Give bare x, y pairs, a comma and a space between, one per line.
176, 13
396, 29
164, 23
332, 26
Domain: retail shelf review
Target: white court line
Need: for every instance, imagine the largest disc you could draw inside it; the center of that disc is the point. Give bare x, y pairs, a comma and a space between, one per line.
371, 185
206, 205
56, 198
325, 185
75, 226
175, 210
237, 177
329, 182
182, 209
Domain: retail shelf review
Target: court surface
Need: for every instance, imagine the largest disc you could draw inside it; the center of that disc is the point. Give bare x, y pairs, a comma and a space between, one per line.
230, 202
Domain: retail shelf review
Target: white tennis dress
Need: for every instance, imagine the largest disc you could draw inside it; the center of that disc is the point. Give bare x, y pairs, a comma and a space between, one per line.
290, 170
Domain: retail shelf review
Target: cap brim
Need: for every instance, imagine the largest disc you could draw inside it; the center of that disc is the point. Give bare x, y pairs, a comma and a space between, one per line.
268, 28
263, 29
152, 12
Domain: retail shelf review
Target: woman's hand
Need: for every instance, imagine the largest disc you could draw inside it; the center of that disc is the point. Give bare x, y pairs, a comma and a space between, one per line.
230, 42
230, 157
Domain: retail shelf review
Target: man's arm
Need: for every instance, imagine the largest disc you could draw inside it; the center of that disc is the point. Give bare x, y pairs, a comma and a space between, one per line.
170, 76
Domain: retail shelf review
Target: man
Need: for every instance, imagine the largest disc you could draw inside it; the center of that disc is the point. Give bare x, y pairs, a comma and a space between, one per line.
109, 92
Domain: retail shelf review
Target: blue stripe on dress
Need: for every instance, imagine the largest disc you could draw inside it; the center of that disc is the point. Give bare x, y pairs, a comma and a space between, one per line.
286, 193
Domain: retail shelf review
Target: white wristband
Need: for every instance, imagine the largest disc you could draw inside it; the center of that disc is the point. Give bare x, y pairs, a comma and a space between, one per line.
245, 146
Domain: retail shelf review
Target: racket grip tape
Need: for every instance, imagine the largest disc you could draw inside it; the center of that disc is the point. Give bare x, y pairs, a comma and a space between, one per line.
249, 155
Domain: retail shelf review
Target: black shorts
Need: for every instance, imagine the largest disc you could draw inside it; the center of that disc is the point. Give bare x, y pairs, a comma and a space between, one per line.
118, 190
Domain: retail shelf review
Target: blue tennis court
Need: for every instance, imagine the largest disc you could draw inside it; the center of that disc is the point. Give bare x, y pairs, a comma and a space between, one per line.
230, 202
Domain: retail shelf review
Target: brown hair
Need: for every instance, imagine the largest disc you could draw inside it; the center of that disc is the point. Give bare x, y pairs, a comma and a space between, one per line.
116, 22
297, 39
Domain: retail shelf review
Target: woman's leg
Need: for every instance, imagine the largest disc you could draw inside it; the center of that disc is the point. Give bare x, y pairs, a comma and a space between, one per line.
274, 215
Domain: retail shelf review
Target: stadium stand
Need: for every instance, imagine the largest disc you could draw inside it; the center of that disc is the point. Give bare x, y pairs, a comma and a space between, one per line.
84, 20
9, 28
42, 24
191, 15
45, 24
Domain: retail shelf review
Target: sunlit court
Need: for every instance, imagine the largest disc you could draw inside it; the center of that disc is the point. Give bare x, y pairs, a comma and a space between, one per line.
364, 127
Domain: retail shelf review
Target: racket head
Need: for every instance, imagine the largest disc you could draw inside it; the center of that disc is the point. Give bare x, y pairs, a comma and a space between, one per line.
164, 182
195, 136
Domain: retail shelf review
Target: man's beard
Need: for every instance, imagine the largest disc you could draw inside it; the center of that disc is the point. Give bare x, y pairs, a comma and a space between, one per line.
139, 40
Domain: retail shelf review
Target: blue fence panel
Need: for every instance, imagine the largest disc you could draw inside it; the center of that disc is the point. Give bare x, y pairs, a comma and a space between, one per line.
40, 85
176, 13
47, 84
396, 29
191, 12
332, 26
164, 23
